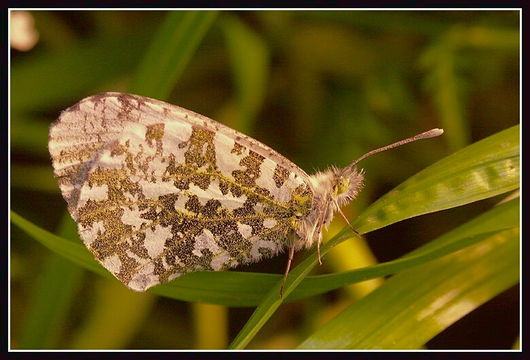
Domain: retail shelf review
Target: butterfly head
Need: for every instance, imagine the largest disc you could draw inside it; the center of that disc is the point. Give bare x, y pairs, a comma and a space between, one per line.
332, 189
345, 185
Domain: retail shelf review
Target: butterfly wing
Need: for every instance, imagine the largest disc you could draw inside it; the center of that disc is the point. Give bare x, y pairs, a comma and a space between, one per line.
158, 191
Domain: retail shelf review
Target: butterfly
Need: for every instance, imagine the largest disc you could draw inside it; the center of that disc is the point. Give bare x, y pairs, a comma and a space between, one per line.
158, 191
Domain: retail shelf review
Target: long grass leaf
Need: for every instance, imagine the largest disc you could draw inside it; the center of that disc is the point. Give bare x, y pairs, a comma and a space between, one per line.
172, 48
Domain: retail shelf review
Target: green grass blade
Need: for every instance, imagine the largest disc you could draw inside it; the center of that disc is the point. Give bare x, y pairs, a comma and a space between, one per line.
249, 58
172, 48
72, 251
447, 87
51, 298
484, 169
498, 218
49, 303
501, 217
417, 304
272, 300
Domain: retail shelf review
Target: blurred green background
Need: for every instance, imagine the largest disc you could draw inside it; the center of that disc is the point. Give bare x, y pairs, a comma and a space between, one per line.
320, 87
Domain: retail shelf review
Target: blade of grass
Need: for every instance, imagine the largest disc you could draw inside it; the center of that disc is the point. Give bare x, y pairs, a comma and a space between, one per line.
172, 48
448, 89
51, 298
500, 217
324, 283
224, 288
247, 289
272, 299
249, 59
72, 251
417, 304
484, 169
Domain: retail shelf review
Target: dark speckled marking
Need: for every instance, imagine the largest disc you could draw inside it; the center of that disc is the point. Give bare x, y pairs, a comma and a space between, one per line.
280, 175
155, 133
237, 149
248, 177
201, 151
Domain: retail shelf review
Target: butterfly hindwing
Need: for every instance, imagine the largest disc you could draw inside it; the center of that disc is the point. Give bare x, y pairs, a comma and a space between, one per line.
159, 191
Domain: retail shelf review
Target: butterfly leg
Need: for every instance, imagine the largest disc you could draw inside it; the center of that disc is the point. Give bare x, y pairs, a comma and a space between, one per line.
321, 223
318, 251
346, 219
289, 260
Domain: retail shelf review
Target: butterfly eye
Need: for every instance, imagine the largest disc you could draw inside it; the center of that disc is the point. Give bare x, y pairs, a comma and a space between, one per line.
335, 189
341, 186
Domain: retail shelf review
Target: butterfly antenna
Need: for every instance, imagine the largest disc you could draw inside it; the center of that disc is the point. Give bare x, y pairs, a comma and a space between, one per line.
425, 135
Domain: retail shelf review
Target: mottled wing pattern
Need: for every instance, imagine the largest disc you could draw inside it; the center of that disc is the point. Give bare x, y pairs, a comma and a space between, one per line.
158, 191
